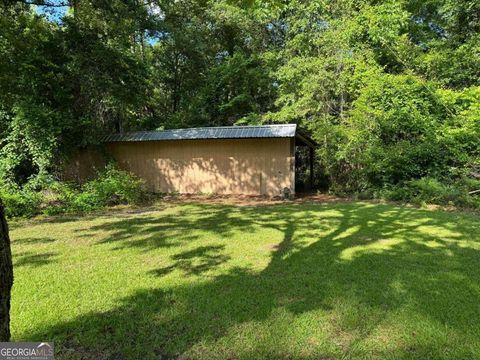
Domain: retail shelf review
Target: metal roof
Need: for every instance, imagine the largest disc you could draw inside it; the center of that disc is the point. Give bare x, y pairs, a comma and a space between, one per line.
223, 132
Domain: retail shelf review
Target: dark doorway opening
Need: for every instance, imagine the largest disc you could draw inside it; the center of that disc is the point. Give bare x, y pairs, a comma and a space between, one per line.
304, 173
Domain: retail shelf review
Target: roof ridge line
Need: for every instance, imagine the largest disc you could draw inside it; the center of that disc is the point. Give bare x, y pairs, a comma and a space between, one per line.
214, 132
225, 127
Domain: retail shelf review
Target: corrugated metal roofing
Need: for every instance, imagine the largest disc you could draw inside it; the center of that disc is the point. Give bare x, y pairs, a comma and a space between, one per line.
224, 132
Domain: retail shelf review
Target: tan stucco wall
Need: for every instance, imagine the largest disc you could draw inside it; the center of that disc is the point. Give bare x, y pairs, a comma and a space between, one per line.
240, 166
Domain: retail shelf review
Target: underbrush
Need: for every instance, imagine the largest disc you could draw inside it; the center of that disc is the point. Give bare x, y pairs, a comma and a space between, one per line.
45, 195
461, 193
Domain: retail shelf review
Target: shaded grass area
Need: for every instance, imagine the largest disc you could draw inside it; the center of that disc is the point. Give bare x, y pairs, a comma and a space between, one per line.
203, 281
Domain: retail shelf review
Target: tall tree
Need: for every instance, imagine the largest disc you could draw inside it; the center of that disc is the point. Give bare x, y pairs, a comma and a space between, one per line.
6, 277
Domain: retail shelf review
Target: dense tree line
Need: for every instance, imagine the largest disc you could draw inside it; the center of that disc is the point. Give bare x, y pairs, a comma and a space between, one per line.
389, 89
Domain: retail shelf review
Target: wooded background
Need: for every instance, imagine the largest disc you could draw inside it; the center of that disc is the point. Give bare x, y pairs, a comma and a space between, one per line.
389, 89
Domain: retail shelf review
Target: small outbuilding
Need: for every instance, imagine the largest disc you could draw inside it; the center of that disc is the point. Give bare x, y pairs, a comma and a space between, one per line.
249, 160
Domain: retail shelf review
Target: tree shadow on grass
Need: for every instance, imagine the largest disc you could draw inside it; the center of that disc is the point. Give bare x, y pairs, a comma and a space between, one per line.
195, 262
170, 230
33, 240
357, 265
33, 259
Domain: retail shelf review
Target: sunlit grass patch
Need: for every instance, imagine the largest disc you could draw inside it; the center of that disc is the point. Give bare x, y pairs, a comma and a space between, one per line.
345, 280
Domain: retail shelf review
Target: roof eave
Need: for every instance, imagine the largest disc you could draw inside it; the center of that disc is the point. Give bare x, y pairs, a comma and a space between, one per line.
306, 140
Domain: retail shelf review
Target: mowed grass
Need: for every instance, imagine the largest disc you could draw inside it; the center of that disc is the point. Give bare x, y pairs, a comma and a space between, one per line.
292, 281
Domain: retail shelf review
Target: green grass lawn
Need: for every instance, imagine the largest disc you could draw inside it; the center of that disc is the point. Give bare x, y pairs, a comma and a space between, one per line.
296, 281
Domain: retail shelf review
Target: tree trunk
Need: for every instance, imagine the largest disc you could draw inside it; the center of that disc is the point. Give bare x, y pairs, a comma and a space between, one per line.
6, 277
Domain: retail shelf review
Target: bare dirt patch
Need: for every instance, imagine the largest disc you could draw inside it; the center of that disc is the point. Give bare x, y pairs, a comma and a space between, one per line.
251, 200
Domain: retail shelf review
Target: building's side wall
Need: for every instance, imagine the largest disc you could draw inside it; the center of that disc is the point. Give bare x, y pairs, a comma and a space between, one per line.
238, 166
83, 165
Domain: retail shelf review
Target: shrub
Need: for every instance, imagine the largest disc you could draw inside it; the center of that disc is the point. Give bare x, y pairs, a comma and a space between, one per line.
44, 194
112, 187
433, 191
20, 202
429, 190
57, 198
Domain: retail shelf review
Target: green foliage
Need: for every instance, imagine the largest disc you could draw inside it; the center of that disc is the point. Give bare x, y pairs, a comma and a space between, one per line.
43, 194
431, 191
389, 89
234, 91
396, 118
20, 202
113, 187
365, 79
404, 135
